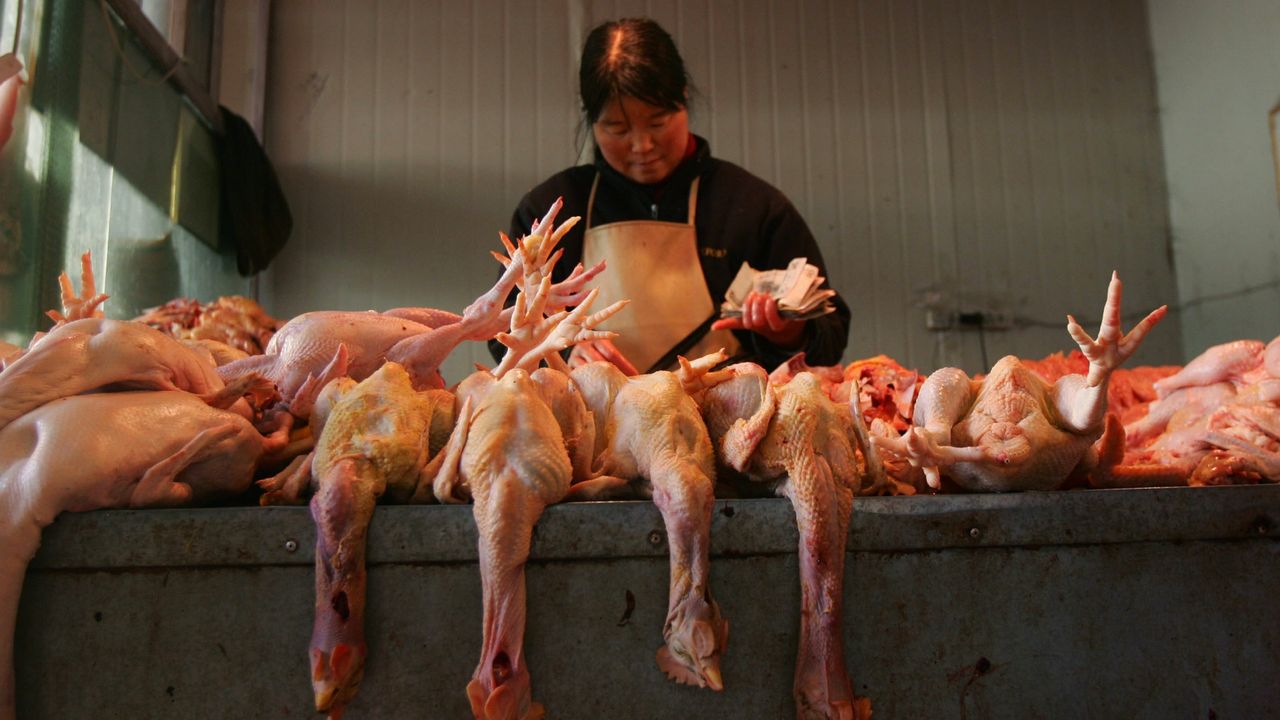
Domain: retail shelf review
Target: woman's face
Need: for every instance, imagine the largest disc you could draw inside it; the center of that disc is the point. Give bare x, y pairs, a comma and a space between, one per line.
641, 141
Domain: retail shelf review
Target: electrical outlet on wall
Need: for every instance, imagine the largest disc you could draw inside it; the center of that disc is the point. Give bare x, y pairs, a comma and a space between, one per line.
968, 318
948, 309
997, 319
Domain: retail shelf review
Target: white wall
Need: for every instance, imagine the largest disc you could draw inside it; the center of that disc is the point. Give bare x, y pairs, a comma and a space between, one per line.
1218, 71
999, 153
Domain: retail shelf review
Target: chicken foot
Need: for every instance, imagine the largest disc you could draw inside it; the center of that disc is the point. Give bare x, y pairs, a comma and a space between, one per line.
76, 307
1083, 407
695, 633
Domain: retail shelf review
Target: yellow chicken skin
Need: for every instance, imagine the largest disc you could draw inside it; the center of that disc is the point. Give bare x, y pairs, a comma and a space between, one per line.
376, 440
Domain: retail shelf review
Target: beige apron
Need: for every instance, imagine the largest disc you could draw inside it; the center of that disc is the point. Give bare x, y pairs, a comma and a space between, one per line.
655, 264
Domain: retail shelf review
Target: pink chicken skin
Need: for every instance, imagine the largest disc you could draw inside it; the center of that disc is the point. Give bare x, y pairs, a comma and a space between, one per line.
795, 437
111, 450
1013, 430
375, 440
650, 432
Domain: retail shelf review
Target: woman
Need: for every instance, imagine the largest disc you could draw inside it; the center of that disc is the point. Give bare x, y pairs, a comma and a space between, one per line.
674, 223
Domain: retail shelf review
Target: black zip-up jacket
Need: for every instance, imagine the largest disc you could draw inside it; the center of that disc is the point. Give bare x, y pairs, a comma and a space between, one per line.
738, 218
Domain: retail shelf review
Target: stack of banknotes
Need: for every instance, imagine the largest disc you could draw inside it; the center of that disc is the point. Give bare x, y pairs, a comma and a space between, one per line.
798, 290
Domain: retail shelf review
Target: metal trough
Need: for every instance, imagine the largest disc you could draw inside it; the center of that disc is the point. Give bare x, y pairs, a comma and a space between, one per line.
1088, 604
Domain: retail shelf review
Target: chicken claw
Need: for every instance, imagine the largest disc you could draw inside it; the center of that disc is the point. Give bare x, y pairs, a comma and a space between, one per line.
84, 305
696, 375
531, 341
1112, 347
923, 451
572, 290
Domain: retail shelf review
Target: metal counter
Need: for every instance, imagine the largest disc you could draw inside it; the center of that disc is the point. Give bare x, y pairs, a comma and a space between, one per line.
1088, 604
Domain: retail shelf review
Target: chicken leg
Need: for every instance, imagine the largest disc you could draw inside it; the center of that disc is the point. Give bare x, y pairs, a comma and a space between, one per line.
505, 513
342, 509
823, 504
822, 507
695, 633
795, 436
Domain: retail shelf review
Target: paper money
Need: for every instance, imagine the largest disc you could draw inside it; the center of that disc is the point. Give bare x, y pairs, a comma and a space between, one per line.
798, 290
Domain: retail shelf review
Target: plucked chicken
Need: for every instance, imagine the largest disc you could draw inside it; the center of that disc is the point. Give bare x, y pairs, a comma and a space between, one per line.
795, 437
653, 433
1242, 362
1218, 421
1013, 430
86, 352
514, 463
316, 347
108, 450
376, 439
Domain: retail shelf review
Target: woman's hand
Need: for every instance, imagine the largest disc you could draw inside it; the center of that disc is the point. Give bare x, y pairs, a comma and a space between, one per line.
760, 315
595, 350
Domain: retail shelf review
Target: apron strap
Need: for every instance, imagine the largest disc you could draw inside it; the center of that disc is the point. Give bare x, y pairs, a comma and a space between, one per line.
591, 200
693, 198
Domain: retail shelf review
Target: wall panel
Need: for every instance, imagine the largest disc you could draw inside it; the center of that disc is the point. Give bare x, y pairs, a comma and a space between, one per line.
998, 155
1217, 66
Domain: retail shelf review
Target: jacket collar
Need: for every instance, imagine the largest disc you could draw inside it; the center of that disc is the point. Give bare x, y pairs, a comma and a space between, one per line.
677, 183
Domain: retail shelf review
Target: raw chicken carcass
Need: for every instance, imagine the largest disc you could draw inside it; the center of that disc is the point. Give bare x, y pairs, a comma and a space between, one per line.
304, 353
795, 436
653, 433
232, 319
514, 462
1013, 430
105, 450
93, 354
1210, 420
86, 352
1241, 362
1205, 435
376, 438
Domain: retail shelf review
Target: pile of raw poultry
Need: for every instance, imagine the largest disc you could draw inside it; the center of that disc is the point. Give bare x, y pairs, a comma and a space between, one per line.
198, 403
